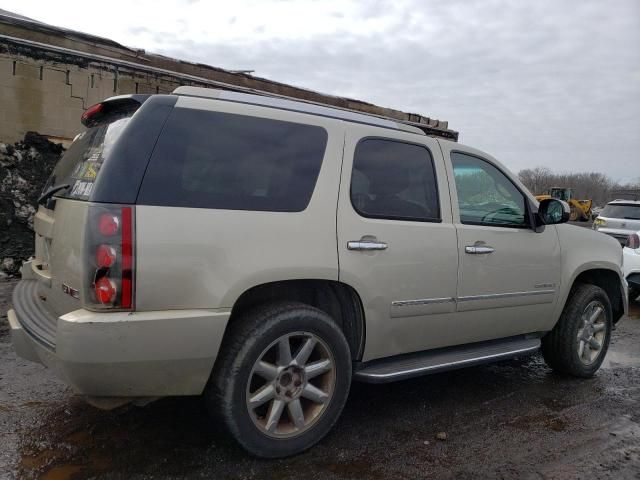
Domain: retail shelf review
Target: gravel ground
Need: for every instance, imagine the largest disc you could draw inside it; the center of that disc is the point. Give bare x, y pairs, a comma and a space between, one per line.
514, 419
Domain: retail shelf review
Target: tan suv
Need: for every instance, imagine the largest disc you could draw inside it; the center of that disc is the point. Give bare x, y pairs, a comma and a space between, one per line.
265, 252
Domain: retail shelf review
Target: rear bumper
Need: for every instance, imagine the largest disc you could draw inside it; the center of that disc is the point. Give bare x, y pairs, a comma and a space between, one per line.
127, 354
618, 234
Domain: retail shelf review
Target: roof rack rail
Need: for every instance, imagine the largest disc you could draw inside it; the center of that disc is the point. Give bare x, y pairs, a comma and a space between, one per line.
434, 128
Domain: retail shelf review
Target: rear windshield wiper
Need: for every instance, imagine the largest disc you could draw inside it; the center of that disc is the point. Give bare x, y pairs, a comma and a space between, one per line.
631, 218
53, 190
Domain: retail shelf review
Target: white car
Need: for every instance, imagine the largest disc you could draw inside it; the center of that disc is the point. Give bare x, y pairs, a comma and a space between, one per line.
631, 264
619, 219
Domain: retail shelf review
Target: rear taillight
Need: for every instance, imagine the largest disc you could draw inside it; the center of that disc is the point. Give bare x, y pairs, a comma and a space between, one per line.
109, 257
106, 291
108, 224
633, 241
106, 256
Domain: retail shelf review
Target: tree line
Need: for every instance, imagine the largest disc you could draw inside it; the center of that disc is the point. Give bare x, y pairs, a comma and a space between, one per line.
586, 185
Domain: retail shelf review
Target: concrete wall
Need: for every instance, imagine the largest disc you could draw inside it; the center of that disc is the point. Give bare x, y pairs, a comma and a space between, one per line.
49, 76
49, 97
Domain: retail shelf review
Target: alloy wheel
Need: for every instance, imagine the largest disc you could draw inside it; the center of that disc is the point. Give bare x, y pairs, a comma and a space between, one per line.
291, 385
591, 335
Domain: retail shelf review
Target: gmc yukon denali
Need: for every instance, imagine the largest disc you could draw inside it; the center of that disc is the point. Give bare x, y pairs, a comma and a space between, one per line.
264, 252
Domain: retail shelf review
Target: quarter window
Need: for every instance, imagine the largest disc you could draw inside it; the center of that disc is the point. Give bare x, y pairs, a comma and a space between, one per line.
485, 195
394, 180
220, 160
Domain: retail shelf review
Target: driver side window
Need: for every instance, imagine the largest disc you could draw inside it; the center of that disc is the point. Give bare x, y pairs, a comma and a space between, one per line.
485, 195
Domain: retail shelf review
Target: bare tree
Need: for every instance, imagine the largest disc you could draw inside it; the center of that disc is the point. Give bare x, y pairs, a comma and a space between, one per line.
585, 185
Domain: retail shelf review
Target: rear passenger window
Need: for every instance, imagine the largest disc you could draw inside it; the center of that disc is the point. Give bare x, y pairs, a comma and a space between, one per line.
220, 160
394, 180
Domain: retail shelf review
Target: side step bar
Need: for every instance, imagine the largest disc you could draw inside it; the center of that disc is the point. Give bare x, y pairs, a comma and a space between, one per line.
411, 365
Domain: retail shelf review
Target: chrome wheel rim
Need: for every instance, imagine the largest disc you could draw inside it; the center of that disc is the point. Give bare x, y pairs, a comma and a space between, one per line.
291, 385
592, 333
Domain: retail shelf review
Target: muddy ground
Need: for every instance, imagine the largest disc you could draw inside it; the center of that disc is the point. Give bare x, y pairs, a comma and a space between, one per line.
515, 419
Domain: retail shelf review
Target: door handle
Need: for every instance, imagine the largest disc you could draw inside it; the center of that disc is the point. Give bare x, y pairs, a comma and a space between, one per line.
366, 245
478, 249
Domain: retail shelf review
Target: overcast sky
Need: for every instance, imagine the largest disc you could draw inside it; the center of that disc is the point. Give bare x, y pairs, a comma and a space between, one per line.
535, 83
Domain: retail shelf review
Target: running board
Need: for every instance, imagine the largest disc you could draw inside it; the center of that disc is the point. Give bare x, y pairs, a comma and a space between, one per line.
410, 365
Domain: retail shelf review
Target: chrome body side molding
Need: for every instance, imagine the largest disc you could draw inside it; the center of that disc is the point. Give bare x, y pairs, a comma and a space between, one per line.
492, 296
469, 298
423, 301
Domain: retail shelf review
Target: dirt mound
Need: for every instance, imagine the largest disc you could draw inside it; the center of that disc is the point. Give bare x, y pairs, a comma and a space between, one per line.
24, 169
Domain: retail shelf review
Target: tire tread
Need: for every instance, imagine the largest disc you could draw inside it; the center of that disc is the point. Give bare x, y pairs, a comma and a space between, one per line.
559, 344
242, 332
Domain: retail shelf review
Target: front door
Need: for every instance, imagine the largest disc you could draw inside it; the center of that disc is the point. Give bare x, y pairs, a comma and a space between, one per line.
509, 274
396, 241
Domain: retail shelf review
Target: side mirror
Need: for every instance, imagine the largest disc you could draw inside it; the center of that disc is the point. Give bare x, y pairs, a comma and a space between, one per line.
552, 212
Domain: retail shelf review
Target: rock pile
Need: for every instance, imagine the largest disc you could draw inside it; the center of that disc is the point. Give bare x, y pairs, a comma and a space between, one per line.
24, 169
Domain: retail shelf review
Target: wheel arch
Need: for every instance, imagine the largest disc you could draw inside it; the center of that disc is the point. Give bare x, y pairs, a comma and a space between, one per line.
337, 299
607, 279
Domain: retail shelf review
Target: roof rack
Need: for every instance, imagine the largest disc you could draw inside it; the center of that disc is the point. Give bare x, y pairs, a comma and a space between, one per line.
284, 102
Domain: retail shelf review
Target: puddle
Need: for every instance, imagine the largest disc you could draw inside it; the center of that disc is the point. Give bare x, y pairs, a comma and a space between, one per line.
621, 359
557, 404
557, 424
358, 468
62, 463
63, 472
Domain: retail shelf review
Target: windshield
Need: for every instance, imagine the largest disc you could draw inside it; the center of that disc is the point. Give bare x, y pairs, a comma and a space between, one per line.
80, 166
621, 210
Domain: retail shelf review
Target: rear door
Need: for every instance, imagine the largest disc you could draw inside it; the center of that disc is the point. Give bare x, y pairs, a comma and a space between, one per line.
509, 274
396, 242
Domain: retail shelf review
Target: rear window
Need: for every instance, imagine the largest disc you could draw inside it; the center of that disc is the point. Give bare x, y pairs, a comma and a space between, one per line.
220, 160
621, 210
80, 166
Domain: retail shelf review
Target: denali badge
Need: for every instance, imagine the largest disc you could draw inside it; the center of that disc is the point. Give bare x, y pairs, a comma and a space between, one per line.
70, 291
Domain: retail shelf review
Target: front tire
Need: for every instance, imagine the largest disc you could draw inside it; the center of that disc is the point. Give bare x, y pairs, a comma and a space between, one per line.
282, 379
579, 342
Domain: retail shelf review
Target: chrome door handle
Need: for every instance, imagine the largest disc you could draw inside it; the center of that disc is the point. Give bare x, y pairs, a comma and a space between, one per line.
366, 245
478, 249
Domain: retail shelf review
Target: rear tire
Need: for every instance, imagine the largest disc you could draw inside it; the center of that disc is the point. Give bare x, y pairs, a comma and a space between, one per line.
579, 342
306, 387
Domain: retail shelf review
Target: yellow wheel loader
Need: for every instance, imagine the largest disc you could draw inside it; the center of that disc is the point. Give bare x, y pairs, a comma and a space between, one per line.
580, 209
